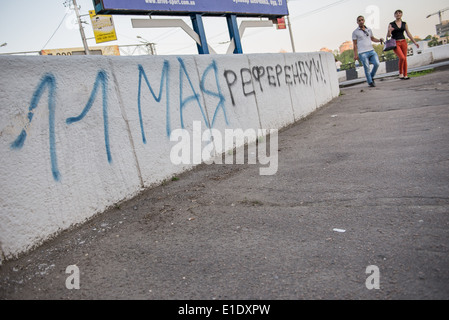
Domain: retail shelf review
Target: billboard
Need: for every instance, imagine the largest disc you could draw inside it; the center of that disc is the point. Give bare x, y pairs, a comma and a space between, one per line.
103, 27
104, 51
248, 8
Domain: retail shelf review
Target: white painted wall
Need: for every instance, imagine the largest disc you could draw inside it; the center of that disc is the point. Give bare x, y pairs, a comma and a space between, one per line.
69, 168
440, 53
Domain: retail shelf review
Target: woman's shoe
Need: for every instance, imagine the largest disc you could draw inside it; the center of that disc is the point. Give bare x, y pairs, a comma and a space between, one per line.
406, 78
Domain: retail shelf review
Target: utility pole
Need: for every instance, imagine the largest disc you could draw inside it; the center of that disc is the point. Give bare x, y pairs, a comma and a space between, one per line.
83, 36
153, 49
291, 31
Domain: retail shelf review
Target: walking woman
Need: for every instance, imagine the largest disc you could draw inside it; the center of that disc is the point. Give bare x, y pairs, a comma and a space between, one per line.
396, 31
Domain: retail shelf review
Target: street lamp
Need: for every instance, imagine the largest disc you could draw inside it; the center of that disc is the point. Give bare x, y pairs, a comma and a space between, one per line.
151, 47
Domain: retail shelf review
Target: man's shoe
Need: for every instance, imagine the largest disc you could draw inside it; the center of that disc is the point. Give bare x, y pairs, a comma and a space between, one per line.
372, 84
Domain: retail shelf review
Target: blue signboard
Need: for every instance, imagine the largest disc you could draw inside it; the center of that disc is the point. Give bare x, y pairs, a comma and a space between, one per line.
250, 8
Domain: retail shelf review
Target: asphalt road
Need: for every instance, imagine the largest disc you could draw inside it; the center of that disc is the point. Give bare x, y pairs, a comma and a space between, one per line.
363, 181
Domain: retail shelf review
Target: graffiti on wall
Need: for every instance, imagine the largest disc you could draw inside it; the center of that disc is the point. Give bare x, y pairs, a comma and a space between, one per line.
301, 73
49, 81
274, 76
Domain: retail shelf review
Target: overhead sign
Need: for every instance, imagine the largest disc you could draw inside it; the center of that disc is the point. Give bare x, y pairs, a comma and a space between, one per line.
103, 26
254, 8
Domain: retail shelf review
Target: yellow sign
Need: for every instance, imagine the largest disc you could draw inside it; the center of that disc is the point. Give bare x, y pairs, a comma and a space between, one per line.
103, 26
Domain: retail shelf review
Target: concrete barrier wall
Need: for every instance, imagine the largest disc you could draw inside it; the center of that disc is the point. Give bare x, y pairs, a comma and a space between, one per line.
419, 60
81, 134
440, 53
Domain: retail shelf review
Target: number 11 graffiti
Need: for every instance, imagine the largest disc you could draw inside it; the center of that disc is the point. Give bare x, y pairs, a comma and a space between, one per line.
49, 81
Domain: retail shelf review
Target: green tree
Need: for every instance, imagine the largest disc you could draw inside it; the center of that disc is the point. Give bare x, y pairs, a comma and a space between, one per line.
433, 42
345, 57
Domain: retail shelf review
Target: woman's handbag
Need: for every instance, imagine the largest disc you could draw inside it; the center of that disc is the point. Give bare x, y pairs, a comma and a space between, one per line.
390, 44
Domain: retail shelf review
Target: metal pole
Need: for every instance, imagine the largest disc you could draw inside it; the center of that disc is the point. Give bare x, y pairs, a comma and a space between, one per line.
83, 36
234, 33
198, 27
291, 31
153, 48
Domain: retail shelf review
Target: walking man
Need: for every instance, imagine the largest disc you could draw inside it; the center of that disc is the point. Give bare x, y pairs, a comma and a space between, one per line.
362, 38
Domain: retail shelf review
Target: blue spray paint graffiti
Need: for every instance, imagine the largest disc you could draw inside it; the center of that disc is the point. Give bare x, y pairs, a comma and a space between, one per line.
102, 78
183, 73
49, 81
101, 82
195, 96
165, 75
221, 104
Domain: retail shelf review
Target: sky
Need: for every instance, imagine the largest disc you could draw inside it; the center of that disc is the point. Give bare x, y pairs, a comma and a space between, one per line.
30, 25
